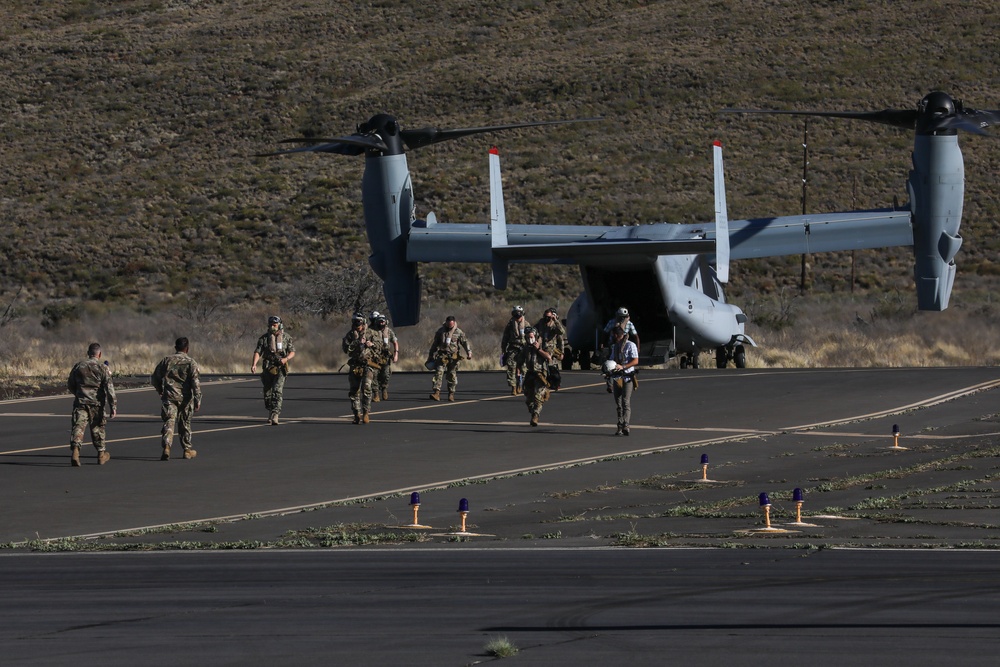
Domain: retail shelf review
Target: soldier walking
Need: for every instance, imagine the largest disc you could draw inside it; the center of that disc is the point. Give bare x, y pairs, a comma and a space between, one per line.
444, 357
274, 350
176, 379
534, 359
389, 356
90, 383
552, 334
361, 346
511, 344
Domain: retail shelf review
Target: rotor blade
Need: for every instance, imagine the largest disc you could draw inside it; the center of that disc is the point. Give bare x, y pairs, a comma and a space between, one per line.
905, 118
432, 135
972, 120
353, 145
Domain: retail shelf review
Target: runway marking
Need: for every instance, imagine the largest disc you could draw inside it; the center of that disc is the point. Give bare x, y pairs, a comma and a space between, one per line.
137, 438
927, 402
131, 390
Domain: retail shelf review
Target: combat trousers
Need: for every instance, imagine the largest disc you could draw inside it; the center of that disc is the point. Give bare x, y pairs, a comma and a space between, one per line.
382, 378
179, 414
622, 391
360, 388
442, 368
274, 386
511, 358
536, 392
94, 416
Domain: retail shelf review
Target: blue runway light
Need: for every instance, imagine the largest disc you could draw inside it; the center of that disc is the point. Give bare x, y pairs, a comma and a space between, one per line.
704, 459
414, 498
463, 505
895, 429
798, 496
764, 500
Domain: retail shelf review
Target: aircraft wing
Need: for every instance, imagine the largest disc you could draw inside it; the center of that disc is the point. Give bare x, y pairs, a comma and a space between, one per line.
544, 244
590, 250
827, 232
594, 245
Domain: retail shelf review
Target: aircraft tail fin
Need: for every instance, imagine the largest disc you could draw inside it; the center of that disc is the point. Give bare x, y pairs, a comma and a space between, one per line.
498, 221
721, 218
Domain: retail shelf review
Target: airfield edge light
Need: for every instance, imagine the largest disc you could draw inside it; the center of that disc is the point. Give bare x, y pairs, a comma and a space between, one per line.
415, 504
765, 504
895, 439
463, 510
798, 497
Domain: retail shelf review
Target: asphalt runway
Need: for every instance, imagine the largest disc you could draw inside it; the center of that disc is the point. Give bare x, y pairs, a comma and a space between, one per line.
561, 607
537, 565
247, 471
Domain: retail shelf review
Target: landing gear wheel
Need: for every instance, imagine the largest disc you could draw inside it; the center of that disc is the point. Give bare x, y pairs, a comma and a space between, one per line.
567, 360
694, 361
721, 357
584, 359
683, 362
740, 356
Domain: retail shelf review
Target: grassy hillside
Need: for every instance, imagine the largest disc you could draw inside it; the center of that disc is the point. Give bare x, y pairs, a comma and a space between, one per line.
128, 127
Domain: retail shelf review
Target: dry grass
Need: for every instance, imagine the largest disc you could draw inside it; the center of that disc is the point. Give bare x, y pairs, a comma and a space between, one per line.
817, 331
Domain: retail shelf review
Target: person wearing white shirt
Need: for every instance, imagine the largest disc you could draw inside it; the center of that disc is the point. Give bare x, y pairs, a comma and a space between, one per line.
625, 357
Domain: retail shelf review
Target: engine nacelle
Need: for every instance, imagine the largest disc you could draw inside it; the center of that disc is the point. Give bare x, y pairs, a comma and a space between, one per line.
937, 189
388, 198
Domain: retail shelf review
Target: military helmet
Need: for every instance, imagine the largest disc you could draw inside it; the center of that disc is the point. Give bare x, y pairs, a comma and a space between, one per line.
517, 311
357, 317
529, 331
609, 367
375, 315
274, 319
554, 312
622, 312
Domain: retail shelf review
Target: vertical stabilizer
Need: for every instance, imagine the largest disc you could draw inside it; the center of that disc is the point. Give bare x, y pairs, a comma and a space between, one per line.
721, 219
498, 220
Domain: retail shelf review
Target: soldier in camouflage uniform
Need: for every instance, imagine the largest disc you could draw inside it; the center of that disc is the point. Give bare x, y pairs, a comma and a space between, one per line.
389, 355
534, 360
361, 345
511, 344
90, 382
553, 336
274, 350
444, 356
176, 379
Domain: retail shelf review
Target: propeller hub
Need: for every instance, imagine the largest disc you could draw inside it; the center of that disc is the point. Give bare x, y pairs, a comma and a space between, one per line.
386, 128
934, 112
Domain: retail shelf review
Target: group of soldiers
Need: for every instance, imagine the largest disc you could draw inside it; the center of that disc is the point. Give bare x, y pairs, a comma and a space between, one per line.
530, 354
371, 348
176, 380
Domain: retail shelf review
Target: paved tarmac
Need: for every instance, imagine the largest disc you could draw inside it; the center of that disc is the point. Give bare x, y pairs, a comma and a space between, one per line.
558, 607
828, 432
258, 562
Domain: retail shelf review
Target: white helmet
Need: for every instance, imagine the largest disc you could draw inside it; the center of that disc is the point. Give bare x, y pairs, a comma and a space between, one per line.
622, 312
609, 367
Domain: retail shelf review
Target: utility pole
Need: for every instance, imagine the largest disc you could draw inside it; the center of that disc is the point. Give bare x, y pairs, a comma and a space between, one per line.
854, 207
805, 182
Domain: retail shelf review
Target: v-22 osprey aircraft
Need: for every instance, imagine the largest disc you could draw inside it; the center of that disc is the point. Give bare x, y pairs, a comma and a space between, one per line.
669, 275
